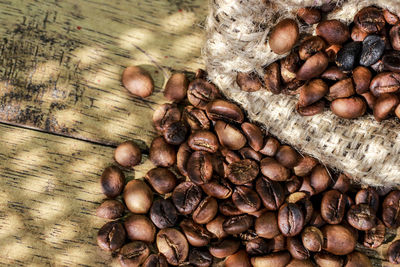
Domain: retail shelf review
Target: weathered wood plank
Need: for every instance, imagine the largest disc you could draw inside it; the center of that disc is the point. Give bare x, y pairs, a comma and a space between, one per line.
61, 61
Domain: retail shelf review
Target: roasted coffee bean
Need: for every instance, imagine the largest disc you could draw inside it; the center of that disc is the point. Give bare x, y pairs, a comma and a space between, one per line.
333, 74
394, 252
253, 134
271, 193
348, 108
139, 227
138, 81
240, 258
224, 248
218, 163
203, 140
306, 186
161, 153
292, 88
110, 209
293, 184
296, 248
309, 15
313, 67
391, 207
311, 110
196, 118
175, 133
362, 78
229, 136
173, 245
218, 188
284, 36
395, 37
385, 105
316, 219
290, 219
378, 66
304, 166
133, 254
228, 208
361, 217
205, 211
391, 61
246, 199
357, 259
278, 259
201, 92
164, 115
312, 92
242, 172
332, 51
111, 236
200, 257
223, 110
249, 153
215, 227
289, 66
229, 155
386, 82
287, 156
199, 167
274, 170
370, 20
325, 259
302, 200
163, 213
372, 49
341, 89
333, 206
176, 87
155, 260
312, 239
266, 225
339, 240
162, 180
390, 17
249, 82
237, 224
182, 158
370, 99
374, 237
357, 34
128, 154
272, 78
320, 179
186, 197
112, 181
368, 196
333, 31
348, 57
138, 196
258, 246
311, 46
271, 146
196, 234
342, 183
300, 263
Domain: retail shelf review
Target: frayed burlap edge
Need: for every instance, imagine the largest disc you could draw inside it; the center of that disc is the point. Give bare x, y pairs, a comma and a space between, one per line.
237, 32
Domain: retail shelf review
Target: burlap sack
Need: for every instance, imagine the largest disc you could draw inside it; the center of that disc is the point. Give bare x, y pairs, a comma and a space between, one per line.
237, 41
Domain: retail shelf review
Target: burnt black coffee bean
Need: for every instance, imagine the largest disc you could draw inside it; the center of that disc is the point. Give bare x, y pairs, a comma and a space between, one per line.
175, 133
111, 236
163, 213
348, 56
258, 246
238, 224
200, 257
271, 193
372, 49
290, 219
391, 61
186, 196
243, 171
246, 199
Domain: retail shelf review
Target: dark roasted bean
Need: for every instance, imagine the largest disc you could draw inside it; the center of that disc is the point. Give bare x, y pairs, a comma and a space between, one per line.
163, 213
290, 219
242, 172
111, 236
372, 50
186, 196
133, 254
201, 92
270, 192
223, 110
348, 56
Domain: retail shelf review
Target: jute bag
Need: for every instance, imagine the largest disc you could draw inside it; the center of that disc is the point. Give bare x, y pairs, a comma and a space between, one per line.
238, 41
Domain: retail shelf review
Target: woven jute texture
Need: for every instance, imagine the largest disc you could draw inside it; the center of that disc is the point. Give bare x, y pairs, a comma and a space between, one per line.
238, 41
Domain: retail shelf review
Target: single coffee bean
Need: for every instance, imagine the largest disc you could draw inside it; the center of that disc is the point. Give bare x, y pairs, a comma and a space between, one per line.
224, 248
289, 66
196, 118
237, 224
176, 87
199, 167
110, 209
274, 170
309, 15
284, 36
348, 108
372, 49
218, 188
290, 219
138, 196
341, 89
128, 154
155, 260
296, 248
325, 259
313, 67
385, 105
386, 82
271, 146
162, 180
348, 57
223, 110
258, 246
368, 196
164, 115
370, 99
205, 211
302, 200
228, 208
186, 197
249, 82
333, 31
339, 240
333, 206
240, 258
229, 136
320, 179
163, 213
200, 257
332, 51
112, 181
395, 37
311, 46
357, 259
196, 234
203, 140
312, 239
361, 217
312, 92
304, 166
287, 156
357, 34
362, 78
370, 20
133, 254
271, 193
390, 17
201, 92
394, 252
391, 207
253, 134
374, 237
161, 153
137, 81
175, 133
266, 225
215, 227
342, 183
242, 172
300, 263
139, 227
246, 199
111, 236
316, 219
391, 60
333, 74
249, 153
278, 259
272, 78
173, 245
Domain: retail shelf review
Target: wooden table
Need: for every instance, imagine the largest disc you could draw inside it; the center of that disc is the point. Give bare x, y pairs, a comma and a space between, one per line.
63, 111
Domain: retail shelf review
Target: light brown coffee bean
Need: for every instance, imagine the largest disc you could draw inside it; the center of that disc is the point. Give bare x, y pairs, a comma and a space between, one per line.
300, 263
333, 206
313, 67
386, 82
278, 259
362, 78
309, 15
304, 166
246, 199
397, 111
274, 170
250, 153
137, 81
320, 179
229, 136
133, 254
224, 248
138, 196
341, 89
296, 248
182, 158
216, 227
128, 154
242, 172
162, 180
385, 105
333, 31
205, 211
390, 17
287, 156
196, 234
271, 146
311, 46
140, 227
342, 183
249, 82
361, 217
173, 245
199, 167
284, 36
339, 240
312, 91
348, 108
272, 78
266, 225
253, 134
312, 238
239, 259
370, 99
176, 87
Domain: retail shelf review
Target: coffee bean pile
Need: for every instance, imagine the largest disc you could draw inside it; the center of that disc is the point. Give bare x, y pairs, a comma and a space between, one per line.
351, 68
224, 190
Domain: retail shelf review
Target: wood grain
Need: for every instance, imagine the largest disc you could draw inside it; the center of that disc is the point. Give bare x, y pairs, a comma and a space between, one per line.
61, 61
